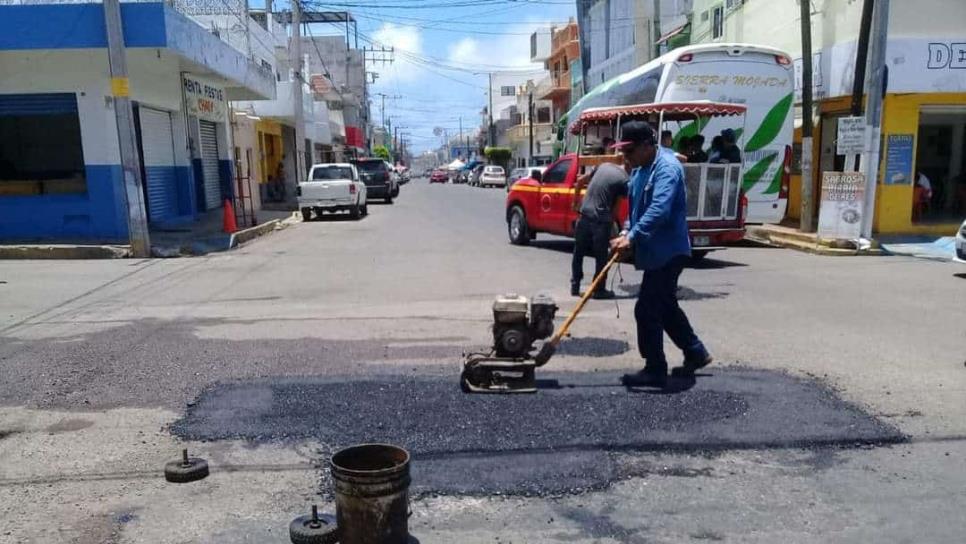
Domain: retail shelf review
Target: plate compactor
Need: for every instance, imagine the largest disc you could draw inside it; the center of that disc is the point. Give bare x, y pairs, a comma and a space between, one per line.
517, 323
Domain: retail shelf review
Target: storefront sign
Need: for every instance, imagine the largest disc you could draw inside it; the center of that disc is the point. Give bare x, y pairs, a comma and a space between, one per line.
851, 136
899, 150
840, 211
204, 99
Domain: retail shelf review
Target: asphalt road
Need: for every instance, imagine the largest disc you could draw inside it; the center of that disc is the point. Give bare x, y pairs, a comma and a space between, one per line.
835, 412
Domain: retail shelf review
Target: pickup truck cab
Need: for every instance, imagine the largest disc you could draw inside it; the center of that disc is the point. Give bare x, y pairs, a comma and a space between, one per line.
332, 187
546, 203
377, 175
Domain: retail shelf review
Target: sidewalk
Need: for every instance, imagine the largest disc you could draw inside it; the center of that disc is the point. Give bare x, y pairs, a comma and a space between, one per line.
809, 242
206, 235
200, 237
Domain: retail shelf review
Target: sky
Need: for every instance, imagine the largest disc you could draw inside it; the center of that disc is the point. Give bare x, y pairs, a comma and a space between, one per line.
443, 51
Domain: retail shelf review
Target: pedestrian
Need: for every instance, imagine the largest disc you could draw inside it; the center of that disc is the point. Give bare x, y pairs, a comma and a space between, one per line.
696, 153
657, 231
667, 142
608, 182
730, 151
717, 150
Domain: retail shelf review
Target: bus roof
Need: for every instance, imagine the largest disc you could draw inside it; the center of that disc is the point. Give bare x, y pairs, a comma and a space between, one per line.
734, 49
673, 111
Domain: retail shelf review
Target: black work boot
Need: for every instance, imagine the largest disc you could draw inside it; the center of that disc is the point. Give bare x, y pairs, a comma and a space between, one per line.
646, 378
692, 364
604, 294
575, 289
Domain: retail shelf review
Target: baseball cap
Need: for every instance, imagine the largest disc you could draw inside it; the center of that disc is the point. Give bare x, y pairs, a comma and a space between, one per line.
635, 132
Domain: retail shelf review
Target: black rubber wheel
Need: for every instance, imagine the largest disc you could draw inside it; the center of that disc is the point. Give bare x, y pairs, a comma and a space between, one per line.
699, 255
303, 530
306, 214
517, 227
180, 473
365, 210
355, 212
389, 199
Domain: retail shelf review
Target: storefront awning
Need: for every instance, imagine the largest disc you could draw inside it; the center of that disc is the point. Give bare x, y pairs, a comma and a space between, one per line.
672, 34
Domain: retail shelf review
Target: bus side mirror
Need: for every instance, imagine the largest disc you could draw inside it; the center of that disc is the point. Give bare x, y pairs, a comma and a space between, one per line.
536, 175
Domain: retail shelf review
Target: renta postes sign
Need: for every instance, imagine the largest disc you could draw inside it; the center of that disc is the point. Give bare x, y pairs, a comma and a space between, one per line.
204, 99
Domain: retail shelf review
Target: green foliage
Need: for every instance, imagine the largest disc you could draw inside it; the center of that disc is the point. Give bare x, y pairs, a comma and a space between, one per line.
382, 152
499, 155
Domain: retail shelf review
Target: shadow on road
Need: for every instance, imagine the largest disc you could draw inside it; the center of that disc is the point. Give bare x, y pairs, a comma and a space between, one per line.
563, 246
341, 217
709, 263
961, 275
684, 293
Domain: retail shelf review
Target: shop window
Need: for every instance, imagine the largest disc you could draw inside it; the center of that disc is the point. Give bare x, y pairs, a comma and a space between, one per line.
40, 145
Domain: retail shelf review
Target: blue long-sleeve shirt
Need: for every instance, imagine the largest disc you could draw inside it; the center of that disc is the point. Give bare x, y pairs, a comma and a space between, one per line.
657, 225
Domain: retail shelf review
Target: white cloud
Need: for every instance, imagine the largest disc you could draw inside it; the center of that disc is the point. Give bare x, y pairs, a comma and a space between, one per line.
489, 52
405, 40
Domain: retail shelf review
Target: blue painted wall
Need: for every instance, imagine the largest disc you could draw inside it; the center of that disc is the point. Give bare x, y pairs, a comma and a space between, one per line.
97, 216
79, 26
227, 178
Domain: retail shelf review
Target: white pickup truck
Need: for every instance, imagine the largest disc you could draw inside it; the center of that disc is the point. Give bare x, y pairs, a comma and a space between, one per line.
332, 187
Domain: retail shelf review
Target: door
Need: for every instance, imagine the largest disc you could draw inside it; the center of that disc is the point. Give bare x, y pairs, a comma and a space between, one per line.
209, 164
556, 197
157, 155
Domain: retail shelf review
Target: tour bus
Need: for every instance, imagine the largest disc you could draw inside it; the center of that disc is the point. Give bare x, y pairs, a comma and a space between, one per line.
759, 77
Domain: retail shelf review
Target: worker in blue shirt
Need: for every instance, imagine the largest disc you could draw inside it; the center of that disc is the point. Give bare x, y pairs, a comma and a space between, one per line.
657, 232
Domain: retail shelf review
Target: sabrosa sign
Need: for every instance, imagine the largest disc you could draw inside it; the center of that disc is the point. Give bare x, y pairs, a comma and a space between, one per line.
204, 99
840, 211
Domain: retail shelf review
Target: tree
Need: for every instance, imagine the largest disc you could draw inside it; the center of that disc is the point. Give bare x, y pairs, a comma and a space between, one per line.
499, 155
382, 152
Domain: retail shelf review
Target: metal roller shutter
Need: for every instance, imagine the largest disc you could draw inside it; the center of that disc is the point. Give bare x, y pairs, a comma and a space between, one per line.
157, 152
209, 164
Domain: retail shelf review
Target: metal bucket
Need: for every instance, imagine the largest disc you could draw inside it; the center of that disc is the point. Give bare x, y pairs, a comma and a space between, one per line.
372, 494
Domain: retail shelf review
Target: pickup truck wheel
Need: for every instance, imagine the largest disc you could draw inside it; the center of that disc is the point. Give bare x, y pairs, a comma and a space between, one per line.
306, 214
354, 212
517, 227
365, 209
389, 199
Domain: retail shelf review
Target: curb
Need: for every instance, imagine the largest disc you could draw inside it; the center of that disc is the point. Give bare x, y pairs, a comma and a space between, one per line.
251, 233
64, 252
803, 243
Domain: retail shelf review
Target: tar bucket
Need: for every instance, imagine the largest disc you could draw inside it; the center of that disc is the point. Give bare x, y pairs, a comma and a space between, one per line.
372, 494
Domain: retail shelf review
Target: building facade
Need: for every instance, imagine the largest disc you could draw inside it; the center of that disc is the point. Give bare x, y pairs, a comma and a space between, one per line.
564, 52
924, 110
60, 170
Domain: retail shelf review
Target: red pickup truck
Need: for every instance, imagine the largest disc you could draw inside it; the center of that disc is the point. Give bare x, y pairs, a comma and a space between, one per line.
547, 205
716, 207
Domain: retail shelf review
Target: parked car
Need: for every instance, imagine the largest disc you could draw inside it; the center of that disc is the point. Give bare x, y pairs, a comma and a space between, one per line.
961, 243
438, 176
475, 175
523, 173
493, 176
404, 177
332, 187
375, 173
396, 179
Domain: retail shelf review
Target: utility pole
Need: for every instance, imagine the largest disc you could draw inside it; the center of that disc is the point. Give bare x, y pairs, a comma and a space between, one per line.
806, 222
296, 55
490, 132
875, 89
861, 57
137, 218
530, 123
657, 27
461, 135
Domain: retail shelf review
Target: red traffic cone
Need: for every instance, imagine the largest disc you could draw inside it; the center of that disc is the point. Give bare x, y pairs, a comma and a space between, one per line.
228, 218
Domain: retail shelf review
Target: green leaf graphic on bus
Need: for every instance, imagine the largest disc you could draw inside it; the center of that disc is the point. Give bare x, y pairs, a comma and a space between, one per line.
776, 181
691, 129
754, 174
771, 125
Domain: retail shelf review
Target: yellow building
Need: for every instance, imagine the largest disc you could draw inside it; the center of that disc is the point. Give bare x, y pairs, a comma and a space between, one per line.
924, 111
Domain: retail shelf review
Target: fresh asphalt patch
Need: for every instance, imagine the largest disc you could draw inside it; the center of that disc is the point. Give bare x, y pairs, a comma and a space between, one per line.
562, 439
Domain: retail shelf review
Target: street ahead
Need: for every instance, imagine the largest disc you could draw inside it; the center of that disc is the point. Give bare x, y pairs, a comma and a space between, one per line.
834, 412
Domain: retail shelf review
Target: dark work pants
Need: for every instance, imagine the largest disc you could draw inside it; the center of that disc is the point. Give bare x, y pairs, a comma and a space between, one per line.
657, 312
592, 239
